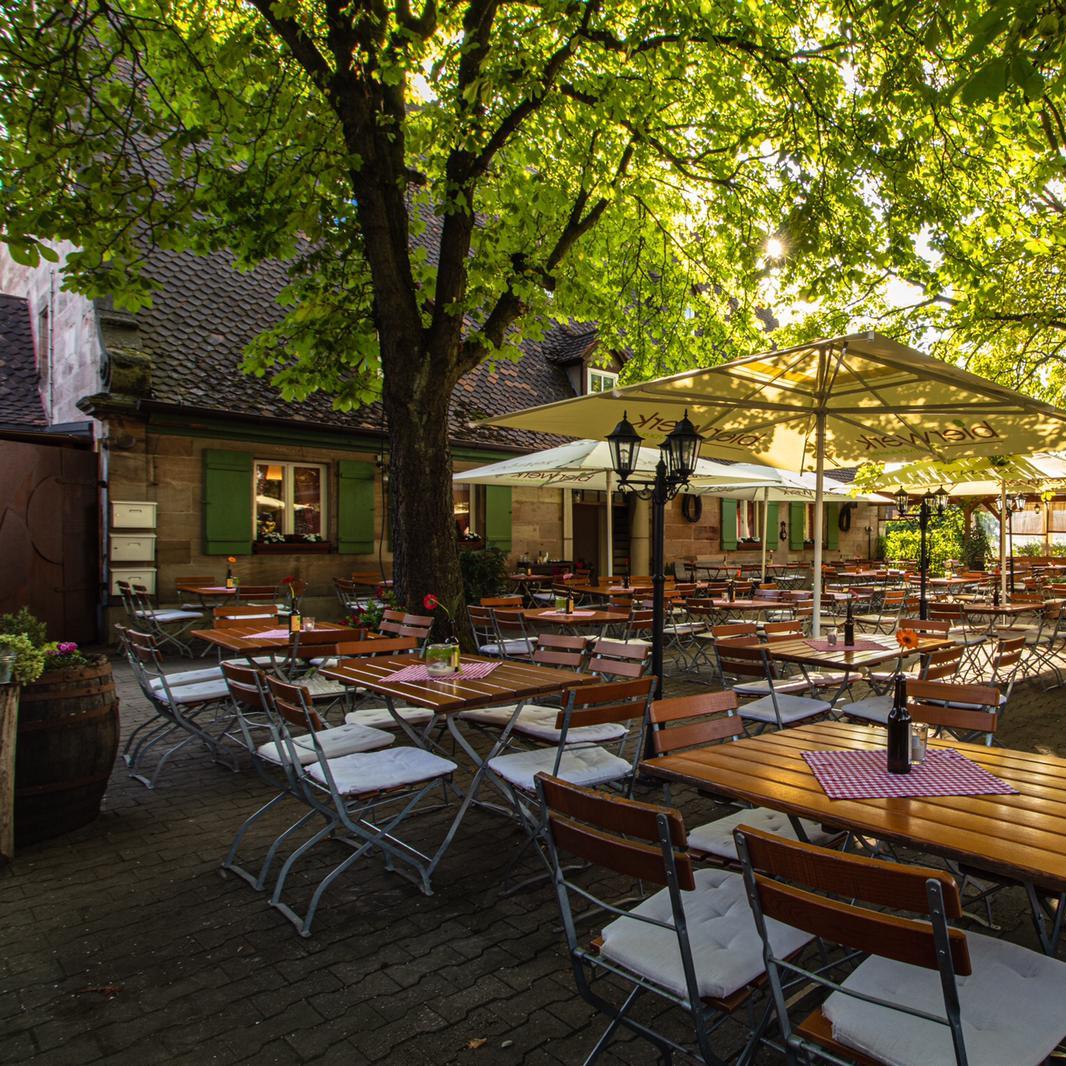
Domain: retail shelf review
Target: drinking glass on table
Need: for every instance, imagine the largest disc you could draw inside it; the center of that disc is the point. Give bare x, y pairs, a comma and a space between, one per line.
831, 636
309, 623
919, 742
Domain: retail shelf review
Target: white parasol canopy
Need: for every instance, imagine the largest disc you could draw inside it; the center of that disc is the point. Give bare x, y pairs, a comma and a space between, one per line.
584, 464
826, 404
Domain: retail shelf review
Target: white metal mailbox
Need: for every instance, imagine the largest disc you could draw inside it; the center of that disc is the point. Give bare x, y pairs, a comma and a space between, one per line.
132, 547
133, 514
144, 575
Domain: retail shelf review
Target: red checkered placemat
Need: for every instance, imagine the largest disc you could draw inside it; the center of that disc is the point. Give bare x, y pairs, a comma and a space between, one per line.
568, 614
269, 634
864, 775
859, 645
467, 672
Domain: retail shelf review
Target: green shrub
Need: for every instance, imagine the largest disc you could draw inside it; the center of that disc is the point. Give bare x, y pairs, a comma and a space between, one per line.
484, 573
976, 547
30, 661
944, 539
25, 622
1028, 550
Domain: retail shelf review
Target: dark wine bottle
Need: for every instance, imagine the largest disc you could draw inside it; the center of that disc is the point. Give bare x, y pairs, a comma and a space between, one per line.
899, 730
570, 603
732, 592
849, 627
995, 595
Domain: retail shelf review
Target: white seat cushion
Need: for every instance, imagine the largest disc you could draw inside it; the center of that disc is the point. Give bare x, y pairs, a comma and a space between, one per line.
716, 838
539, 723
374, 771
579, 766
379, 717
201, 692
791, 709
870, 709
188, 677
320, 688
726, 948
1011, 1009
518, 646
762, 688
166, 617
340, 740
498, 717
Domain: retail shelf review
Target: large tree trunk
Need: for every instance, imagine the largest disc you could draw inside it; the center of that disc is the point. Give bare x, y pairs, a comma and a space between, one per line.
425, 556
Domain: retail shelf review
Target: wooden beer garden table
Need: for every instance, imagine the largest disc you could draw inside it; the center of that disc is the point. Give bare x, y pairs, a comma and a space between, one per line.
510, 683
1022, 837
808, 652
547, 616
248, 637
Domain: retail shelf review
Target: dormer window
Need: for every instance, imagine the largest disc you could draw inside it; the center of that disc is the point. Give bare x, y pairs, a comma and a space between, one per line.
600, 380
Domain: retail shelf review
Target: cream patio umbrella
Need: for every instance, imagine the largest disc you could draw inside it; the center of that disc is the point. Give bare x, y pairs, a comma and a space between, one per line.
584, 464
826, 404
995, 475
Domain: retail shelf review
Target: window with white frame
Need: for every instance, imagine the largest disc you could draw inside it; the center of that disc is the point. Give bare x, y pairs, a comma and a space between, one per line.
290, 501
601, 380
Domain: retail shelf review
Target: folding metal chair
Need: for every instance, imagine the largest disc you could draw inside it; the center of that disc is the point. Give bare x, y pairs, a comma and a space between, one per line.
167, 624
363, 797
178, 708
936, 666
614, 660
691, 944
775, 701
1007, 1010
685, 722
271, 758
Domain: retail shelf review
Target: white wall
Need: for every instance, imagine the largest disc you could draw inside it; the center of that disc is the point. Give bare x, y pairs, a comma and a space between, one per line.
75, 346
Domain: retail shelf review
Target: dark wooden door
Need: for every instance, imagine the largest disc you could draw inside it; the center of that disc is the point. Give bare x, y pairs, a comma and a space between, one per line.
49, 537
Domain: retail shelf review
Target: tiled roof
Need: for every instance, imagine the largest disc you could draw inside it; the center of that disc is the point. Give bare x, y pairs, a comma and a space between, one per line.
20, 402
205, 312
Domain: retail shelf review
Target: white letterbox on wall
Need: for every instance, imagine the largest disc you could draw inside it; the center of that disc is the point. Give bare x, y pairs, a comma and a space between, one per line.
132, 547
133, 514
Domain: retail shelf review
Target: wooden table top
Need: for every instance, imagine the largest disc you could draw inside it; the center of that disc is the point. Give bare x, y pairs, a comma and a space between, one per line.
1020, 836
1010, 608
507, 684
548, 616
243, 637
841, 657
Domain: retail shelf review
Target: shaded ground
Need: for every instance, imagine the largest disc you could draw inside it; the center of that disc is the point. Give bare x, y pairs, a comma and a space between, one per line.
123, 943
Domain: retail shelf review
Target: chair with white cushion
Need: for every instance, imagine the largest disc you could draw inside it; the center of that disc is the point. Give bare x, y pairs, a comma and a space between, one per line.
614, 660
271, 758
776, 703
692, 944
197, 712
925, 993
685, 722
514, 641
936, 666
168, 625
965, 712
364, 797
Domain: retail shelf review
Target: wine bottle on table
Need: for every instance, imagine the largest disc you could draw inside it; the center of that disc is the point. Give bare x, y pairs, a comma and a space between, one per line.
849, 627
732, 592
995, 595
899, 730
569, 603
295, 621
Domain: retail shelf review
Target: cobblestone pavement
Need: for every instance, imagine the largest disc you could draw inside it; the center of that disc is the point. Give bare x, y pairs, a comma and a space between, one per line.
123, 943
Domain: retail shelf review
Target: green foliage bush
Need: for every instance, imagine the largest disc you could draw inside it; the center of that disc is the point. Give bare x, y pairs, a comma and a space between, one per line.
25, 622
30, 660
976, 547
484, 573
945, 540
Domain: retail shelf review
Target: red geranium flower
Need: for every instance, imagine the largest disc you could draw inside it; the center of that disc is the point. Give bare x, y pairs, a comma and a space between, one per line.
290, 580
431, 603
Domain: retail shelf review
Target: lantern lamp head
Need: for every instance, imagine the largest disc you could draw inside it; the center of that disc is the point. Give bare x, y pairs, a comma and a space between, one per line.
682, 448
625, 444
901, 501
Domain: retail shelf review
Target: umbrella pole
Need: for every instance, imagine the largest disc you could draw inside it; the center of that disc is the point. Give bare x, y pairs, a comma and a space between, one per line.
610, 525
1002, 541
819, 523
765, 527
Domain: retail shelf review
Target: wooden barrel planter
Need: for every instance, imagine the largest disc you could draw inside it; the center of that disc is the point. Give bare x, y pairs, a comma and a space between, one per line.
67, 741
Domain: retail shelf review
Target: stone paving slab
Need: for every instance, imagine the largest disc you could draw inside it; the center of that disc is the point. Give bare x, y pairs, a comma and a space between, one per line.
123, 942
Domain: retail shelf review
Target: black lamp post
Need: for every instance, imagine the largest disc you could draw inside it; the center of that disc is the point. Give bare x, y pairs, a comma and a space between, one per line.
929, 503
1014, 505
677, 463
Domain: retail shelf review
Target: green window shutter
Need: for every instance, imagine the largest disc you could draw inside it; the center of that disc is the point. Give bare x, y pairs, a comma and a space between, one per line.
355, 507
729, 525
227, 502
771, 526
832, 530
498, 517
795, 526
